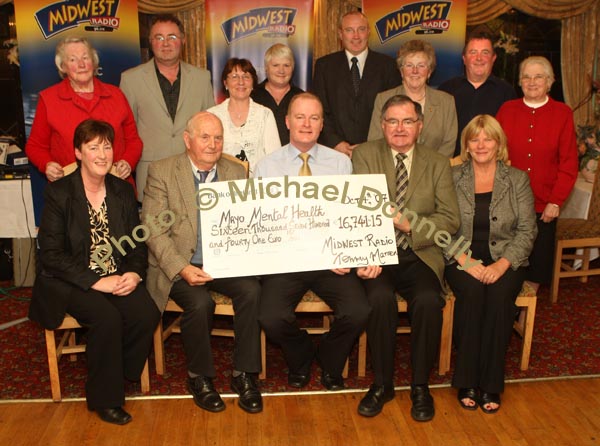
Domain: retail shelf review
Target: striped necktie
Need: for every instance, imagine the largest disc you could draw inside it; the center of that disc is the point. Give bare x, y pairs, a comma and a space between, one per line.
401, 186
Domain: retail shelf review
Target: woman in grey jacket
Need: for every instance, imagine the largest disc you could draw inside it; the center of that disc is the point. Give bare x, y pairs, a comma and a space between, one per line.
498, 220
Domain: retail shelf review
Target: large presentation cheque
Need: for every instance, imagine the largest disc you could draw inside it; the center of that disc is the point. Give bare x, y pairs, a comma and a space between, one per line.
287, 224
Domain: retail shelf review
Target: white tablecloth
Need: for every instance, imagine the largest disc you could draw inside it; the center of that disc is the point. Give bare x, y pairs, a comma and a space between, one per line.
16, 209
578, 203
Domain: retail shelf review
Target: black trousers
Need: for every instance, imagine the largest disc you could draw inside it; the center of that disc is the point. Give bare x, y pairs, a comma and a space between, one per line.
196, 323
346, 297
541, 259
119, 337
419, 285
483, 324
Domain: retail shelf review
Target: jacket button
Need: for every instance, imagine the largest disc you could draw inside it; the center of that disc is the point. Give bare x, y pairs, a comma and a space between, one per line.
494, 243
494, 218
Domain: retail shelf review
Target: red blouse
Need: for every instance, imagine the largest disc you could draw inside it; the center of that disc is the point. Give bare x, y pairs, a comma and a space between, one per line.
542, 142
60, 110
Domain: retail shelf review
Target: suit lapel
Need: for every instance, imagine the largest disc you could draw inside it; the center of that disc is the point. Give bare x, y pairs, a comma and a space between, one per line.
417, 170
152, 86
184, 85
187, 187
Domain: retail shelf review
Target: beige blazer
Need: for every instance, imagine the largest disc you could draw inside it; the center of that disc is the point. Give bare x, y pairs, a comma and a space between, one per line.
440, 125
430, 194
163, 137
171, 186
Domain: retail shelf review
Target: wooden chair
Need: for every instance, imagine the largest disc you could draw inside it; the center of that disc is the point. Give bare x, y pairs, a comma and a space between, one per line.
244, 164
68, 345
445, 340
577, 233
224, 307
527, 301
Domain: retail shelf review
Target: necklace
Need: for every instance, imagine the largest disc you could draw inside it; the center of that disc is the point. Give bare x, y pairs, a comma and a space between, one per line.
421, 98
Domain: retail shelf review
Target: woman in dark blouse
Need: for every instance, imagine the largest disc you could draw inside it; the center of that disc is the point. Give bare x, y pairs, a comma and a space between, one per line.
498, 219
276, 91
92, 265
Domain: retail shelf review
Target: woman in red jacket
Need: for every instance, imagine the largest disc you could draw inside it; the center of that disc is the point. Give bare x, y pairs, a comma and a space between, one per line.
541, 141
78, 97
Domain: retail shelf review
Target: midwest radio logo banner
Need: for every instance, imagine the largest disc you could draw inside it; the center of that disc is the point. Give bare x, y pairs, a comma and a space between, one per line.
427, 17
274, 21
101, 15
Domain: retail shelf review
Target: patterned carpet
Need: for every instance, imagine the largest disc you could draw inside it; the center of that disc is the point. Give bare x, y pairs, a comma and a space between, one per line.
566, 342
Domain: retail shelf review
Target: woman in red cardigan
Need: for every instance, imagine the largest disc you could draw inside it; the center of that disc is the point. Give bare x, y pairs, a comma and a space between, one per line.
78, 97
541, 141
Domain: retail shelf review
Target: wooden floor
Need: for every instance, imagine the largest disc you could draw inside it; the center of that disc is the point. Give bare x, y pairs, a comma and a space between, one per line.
558, 412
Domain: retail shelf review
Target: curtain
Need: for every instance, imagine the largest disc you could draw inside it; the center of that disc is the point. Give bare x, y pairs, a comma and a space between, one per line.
580, 46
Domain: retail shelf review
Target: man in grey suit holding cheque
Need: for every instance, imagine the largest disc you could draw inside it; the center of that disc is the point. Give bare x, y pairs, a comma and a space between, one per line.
425, 210
176, 265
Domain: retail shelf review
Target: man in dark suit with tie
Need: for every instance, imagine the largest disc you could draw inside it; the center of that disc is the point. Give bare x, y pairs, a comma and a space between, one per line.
348, 94
175, 264
419, 180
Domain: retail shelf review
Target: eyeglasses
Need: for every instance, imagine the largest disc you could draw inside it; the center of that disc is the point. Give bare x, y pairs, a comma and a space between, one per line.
235, 77
408, 123
536, 78
411, 67
170, 38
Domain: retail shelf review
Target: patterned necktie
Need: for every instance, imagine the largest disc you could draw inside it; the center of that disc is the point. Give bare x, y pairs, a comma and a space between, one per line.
401, 186
203, 174
355, 75
305, 169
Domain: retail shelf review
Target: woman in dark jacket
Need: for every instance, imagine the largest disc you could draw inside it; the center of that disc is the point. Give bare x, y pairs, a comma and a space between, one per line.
91, 268
498, 219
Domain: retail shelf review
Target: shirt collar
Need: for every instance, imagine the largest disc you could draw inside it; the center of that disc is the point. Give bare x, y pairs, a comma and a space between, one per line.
211, 173
293, 151
362, 58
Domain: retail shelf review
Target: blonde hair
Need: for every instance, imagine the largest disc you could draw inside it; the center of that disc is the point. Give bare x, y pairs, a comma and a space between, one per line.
491, 128
59, 55
279, 50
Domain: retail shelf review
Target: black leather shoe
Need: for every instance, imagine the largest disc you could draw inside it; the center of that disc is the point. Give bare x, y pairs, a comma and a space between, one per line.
422, 403
298, 380
332, 382
245, 386
205, 395
372, 403
114, 415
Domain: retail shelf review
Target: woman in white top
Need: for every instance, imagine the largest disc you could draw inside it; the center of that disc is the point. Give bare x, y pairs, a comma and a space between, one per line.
249, 129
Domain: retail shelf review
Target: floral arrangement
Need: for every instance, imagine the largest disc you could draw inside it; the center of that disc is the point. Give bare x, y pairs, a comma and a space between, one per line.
588, 139
508, 46
508, 43
13, 51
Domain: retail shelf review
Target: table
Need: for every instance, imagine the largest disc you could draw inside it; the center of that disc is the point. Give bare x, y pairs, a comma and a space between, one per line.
578, 203
16, 215
16, 209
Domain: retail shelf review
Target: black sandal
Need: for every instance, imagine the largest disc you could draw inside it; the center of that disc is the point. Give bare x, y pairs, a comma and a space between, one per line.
487, 398
467, 393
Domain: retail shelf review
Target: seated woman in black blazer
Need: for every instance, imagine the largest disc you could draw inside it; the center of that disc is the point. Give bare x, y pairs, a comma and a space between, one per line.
498, 219
84, 274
